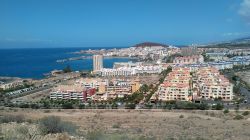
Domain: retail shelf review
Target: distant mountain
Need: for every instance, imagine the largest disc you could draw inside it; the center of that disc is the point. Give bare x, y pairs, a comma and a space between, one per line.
241, 40
237, 43
149, 44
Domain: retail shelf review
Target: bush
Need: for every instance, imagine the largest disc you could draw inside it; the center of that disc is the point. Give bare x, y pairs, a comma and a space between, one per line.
148, 106
181, 116
226, 111
24, 105
101, 106
12, 118
53, 124
238, 117
81, 106
203, 106
130, 106
186, 105
245, 113
114, 106
34, 106
67, 105
117, 125
218, 106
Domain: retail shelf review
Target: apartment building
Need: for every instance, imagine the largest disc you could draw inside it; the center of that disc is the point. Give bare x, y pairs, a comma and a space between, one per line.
72, 92
130, 71
117, 88
176, 86
67, 92
212, 85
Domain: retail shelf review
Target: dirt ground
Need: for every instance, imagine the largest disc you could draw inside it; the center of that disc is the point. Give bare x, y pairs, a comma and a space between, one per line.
245, 76
157, 124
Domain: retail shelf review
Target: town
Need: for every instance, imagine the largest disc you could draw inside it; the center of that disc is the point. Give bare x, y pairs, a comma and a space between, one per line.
162, 74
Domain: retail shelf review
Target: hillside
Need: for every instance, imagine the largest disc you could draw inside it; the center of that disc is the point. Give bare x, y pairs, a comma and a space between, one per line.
149, 44
237, 43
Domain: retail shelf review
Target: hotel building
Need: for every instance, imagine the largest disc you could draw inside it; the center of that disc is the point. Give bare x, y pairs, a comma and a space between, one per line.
97, 62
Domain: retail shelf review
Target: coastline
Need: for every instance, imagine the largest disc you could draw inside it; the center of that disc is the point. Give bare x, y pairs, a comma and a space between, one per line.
33, 63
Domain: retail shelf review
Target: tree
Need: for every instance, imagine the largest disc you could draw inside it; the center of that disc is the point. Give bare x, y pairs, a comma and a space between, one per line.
144, 88
161, 80
67, 69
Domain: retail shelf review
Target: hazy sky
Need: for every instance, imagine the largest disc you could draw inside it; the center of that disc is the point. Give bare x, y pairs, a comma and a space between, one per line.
100, 23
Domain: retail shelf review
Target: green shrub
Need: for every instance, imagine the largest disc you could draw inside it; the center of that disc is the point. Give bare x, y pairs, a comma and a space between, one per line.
117, 125
148, 106
238, 117
203, 106
53, 124
245, 113
34, 106
81, 106
101, 106
226, 111
24, 105
67, 105
114, 106
181, 116
130, 106
12, 118
218, 106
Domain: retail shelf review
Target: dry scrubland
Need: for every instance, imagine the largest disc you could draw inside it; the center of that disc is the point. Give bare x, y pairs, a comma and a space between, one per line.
245, 76
142, 124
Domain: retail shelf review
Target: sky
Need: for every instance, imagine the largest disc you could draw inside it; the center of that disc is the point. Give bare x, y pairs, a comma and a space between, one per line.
114, 23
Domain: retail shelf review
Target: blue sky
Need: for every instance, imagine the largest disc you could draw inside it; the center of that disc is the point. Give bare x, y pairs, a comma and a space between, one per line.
105, 23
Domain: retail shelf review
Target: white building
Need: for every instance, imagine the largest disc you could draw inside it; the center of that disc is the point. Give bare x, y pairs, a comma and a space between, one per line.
129, 71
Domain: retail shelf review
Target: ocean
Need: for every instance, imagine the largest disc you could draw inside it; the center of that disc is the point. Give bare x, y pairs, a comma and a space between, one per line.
35, 62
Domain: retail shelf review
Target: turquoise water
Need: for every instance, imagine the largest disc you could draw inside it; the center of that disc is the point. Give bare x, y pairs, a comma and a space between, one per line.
33, 63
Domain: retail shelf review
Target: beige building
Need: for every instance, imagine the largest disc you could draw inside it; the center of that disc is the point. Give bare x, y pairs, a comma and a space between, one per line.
12, 84
176, 85
211, 84
189, 59
117, 88
97, 62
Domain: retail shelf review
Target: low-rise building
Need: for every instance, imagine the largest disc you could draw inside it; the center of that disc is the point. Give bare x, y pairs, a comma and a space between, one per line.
189, 59
130, 71
11, 84
117, 88
217, 56
92, 82
72, 92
